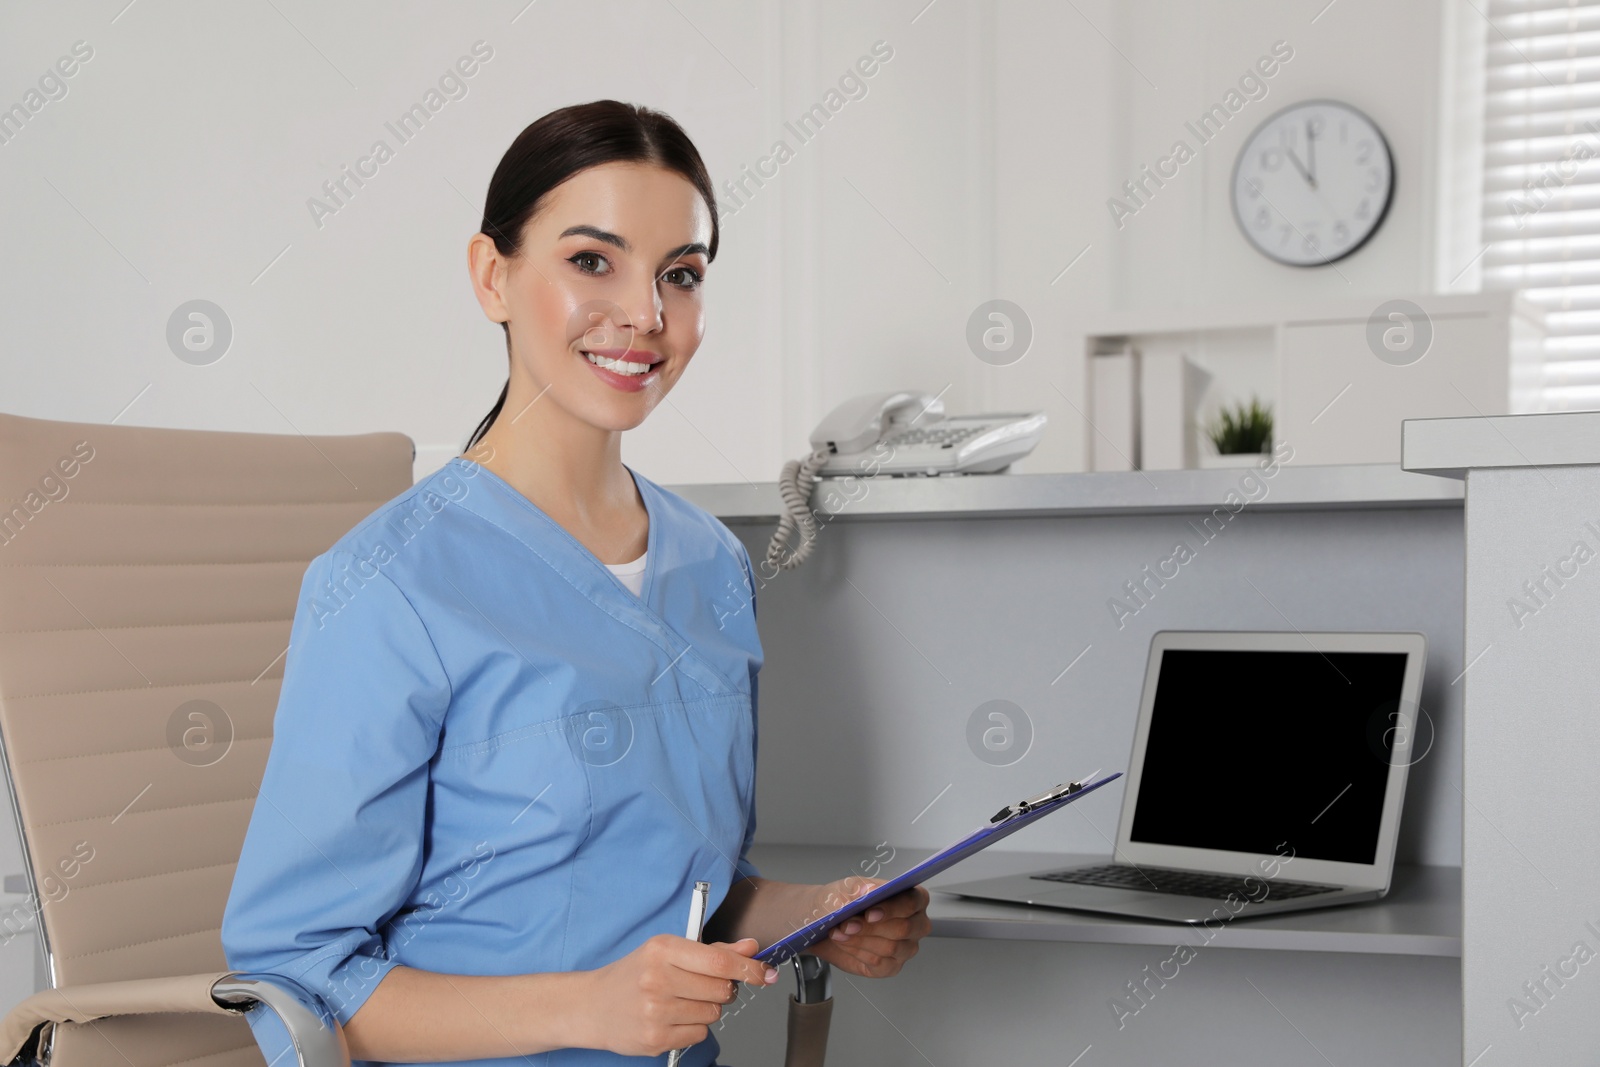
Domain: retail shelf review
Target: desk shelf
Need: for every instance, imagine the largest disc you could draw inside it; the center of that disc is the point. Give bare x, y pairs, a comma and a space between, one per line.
1421, 916
980, 496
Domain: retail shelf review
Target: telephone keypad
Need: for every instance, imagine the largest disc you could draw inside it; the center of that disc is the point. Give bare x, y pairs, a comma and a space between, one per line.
936, 436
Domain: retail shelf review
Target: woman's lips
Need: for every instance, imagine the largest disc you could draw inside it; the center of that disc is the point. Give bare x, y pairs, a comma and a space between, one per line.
628, 355
624, 383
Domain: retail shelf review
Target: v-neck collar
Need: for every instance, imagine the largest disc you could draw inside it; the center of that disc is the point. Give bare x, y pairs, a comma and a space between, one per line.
591, 578
652, 516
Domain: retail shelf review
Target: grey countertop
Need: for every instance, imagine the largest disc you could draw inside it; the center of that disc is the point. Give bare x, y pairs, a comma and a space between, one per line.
1288, 488
1450, 447
1421, 916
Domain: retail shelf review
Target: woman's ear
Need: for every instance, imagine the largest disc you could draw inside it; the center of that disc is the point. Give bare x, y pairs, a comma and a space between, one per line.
487, 269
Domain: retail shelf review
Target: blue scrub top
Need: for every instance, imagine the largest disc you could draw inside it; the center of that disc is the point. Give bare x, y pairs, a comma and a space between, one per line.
489, 757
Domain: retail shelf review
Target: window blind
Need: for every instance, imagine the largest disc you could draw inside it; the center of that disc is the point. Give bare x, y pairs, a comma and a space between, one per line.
1541, 182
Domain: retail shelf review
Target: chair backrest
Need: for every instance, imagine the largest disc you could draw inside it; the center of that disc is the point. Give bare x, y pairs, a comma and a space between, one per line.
148, 579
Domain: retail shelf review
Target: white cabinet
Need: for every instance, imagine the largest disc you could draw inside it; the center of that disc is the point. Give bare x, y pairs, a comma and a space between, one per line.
1345, 383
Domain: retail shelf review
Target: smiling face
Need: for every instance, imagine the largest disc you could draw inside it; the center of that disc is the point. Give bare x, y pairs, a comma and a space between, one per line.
603, 299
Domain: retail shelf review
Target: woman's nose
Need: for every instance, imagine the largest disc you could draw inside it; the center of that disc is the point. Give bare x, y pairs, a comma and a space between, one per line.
643, 307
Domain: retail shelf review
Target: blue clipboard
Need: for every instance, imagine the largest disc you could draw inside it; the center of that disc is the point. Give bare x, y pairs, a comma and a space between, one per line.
1005, 823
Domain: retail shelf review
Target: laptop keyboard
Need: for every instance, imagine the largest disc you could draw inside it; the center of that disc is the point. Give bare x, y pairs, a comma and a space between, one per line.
1183, 883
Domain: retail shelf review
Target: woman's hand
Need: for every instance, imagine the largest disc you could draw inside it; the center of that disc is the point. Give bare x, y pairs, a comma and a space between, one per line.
877, 943
666, 993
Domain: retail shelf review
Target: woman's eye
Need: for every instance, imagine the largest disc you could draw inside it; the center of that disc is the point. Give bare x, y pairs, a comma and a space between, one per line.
684, 277
589, 262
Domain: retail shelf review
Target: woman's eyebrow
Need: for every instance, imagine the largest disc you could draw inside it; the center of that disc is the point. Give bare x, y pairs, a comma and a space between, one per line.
599, 235
688, 250
622, 242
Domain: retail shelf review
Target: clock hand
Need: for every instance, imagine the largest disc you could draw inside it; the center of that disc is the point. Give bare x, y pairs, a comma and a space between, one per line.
1300, 167
1311, 152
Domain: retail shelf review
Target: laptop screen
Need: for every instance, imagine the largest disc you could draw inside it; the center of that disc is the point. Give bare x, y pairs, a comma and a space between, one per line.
1304, 737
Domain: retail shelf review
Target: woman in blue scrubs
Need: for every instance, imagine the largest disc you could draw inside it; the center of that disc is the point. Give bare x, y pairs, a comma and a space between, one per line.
517, 720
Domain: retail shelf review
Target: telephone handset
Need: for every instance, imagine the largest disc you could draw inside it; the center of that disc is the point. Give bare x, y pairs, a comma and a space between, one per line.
900, 434
855, 425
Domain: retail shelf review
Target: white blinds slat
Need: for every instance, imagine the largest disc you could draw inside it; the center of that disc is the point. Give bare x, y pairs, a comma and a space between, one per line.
1573, 122
1565, 249
1542, 23
1581, 146
1501, 10
1499, 225
1523, 275
1584, 323
1503, 180
1540, 98
1564, 298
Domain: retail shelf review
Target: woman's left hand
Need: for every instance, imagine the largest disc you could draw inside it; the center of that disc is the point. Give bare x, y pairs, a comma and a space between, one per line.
878, 943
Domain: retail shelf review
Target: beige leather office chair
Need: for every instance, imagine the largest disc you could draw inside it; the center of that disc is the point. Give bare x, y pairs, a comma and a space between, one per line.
148, 580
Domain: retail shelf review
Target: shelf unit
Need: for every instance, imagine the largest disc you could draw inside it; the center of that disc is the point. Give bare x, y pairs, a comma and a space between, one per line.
1333, 396
981, 496
1421, 916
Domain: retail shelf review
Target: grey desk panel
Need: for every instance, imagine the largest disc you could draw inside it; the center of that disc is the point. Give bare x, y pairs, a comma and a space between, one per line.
1531, 887
883, 647
1421, 916
965, 1001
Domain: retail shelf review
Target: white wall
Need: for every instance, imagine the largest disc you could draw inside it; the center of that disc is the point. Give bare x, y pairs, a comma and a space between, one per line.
978, 165
179, 164
1185, 248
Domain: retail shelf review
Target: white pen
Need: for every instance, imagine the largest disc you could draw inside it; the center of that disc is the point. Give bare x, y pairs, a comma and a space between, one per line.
697, 924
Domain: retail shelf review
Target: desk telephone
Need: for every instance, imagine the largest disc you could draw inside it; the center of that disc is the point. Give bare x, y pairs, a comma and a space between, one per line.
899, 434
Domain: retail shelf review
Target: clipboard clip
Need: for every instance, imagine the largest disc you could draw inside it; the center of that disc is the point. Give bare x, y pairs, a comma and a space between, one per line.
1065, 789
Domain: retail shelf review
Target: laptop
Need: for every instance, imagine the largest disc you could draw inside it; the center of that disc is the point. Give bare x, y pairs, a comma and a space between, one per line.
1267, 775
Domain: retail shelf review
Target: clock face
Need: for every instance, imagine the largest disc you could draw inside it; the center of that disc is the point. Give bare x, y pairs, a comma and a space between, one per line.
1313, 183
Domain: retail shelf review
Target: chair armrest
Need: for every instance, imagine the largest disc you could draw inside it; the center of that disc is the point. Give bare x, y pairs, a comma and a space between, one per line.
86, 1003
810, 1012
813, 979
317, 1038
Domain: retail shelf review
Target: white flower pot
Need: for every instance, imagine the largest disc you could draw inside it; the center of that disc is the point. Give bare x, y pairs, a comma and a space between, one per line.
1213, 461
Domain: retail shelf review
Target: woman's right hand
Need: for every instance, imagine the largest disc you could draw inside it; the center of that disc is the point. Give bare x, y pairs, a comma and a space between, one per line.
666, 993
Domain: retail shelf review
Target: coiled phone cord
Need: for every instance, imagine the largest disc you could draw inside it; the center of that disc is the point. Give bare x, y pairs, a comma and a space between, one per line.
794, 486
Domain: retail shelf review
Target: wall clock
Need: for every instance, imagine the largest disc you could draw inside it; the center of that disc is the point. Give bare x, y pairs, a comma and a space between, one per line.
1313, 183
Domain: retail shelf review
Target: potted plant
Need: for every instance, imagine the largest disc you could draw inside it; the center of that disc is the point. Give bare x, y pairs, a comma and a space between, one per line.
1239, 435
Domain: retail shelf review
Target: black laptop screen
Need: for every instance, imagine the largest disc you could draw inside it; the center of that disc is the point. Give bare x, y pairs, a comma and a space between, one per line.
1257, 751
